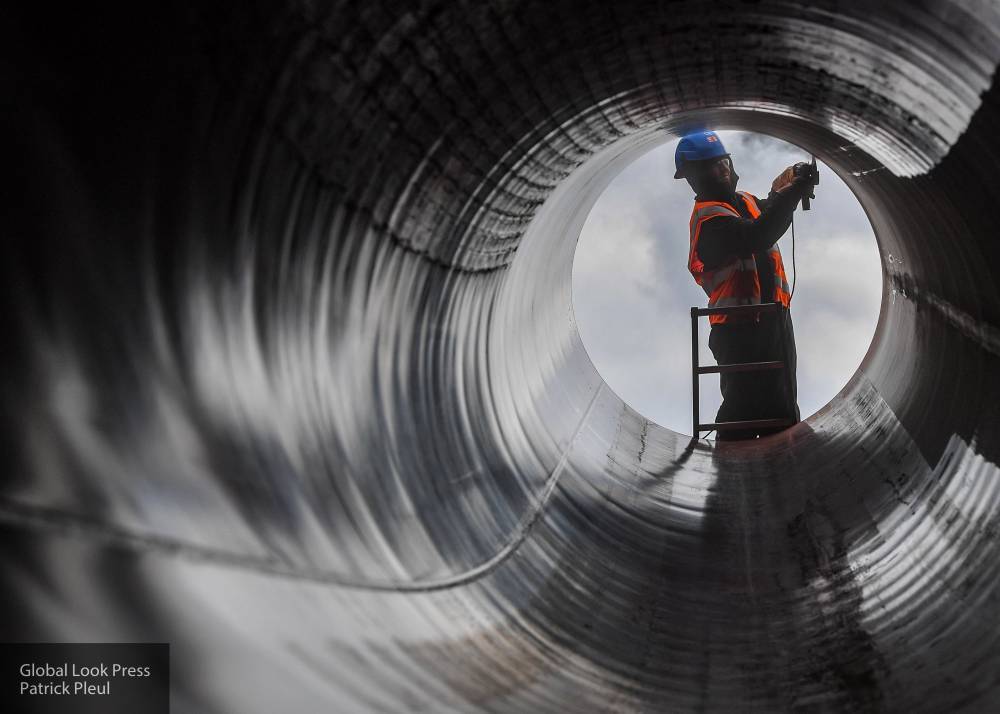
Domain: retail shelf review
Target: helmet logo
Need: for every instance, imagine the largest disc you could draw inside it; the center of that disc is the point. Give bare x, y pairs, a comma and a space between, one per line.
712, 137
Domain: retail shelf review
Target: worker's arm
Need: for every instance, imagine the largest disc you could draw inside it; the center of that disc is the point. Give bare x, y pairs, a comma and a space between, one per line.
725, 236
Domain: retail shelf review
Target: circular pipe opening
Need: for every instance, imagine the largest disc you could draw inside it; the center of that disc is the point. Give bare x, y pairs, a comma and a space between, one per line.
631, 287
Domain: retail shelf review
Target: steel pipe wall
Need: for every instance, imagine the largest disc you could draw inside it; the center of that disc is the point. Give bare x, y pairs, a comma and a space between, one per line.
293, 380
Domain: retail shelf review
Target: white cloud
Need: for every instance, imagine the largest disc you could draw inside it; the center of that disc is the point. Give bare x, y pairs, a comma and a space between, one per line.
632, 291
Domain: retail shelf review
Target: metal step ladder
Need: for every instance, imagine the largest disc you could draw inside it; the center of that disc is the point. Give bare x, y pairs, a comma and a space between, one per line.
697, 370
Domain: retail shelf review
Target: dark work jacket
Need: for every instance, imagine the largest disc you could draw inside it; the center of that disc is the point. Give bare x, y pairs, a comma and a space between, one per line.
725, 236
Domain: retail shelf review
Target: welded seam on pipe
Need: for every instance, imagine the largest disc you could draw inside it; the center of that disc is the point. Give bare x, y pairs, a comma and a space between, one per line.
64, 523
982, 333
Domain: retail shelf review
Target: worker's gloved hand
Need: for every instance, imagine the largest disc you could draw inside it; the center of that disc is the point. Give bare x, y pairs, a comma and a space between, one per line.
794, 177
784, 180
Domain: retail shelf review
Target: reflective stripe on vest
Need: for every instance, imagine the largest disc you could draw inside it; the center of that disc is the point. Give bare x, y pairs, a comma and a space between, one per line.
736, 282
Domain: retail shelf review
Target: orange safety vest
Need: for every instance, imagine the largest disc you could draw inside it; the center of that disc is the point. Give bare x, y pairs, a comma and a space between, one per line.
735, 282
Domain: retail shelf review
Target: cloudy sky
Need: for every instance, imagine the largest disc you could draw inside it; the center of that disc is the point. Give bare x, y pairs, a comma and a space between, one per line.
632, 292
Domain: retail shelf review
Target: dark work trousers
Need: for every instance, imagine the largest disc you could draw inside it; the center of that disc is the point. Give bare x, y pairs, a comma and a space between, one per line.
764, 394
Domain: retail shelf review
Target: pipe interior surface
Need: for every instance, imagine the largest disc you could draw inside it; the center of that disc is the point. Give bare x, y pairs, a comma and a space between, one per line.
294, 383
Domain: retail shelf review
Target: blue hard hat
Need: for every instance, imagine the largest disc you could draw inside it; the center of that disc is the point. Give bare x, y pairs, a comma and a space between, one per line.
699, 146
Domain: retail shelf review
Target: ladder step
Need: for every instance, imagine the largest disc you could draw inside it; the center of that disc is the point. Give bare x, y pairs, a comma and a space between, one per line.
735, 309
742, 367
750, 424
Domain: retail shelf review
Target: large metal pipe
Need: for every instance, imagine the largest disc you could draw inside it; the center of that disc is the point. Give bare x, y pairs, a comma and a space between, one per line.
293, 381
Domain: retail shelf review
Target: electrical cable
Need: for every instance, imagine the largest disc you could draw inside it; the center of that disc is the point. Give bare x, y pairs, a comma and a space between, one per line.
795, 270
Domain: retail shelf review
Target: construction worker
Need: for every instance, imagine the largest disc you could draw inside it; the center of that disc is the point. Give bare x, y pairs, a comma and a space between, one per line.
734, 257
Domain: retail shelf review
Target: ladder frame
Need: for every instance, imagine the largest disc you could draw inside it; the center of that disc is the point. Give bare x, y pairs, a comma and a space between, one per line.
698, 370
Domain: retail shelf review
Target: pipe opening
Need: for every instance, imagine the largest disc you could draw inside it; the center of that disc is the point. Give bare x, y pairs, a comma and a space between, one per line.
632, 289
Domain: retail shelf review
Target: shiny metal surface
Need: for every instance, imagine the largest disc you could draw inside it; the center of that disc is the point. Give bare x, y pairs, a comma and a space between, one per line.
292, 379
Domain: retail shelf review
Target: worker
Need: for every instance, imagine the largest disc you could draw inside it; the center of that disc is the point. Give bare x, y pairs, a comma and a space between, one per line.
734, 257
